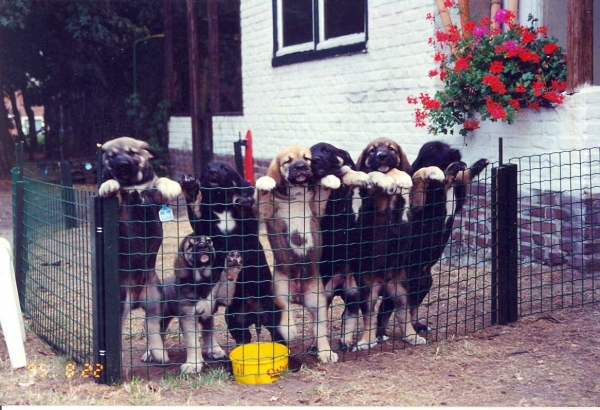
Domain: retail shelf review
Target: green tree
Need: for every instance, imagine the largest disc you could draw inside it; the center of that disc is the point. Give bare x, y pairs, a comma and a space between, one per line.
75, 59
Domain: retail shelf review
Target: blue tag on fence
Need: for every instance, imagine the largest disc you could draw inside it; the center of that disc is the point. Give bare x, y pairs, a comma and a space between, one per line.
165, 214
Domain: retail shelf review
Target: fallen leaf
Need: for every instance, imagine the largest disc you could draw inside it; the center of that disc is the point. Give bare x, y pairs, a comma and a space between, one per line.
26, 384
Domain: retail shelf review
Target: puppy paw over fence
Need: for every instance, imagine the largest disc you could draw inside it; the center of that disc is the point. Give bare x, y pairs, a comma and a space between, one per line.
333, 259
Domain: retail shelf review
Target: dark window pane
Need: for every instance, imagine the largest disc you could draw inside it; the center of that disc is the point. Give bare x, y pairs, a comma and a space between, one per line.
297, 22
343, 17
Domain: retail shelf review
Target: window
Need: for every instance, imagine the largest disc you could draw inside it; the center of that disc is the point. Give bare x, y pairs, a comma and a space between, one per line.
307, 30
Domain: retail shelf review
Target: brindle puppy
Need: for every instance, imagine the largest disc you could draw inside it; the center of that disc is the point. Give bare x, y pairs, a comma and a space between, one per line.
128, 174
195, 293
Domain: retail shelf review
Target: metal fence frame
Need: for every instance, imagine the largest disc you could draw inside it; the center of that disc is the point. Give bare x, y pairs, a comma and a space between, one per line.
100, 217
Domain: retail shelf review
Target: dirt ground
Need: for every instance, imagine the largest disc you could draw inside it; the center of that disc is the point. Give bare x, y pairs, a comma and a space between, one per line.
542, 360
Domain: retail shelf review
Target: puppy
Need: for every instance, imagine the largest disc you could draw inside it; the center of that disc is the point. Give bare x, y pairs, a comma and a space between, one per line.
195, 293
441, 155
340, 234
220, 205
440, 181
291, 204
384, 223
128, 174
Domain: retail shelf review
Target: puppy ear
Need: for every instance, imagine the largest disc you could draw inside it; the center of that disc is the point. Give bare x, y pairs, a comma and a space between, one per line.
404, 163
360, 163
345, 158
455, 155
273, 170
148, 148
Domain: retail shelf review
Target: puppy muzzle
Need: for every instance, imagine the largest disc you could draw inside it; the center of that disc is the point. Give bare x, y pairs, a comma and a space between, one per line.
299, 173
124, 169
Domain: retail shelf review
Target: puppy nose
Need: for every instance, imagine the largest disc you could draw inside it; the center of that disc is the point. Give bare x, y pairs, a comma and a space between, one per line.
382, 155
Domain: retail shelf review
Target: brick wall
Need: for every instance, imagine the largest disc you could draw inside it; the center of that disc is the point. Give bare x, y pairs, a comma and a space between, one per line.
554, 228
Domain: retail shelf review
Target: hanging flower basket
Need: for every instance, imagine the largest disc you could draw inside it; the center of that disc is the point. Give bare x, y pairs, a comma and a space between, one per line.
491, 74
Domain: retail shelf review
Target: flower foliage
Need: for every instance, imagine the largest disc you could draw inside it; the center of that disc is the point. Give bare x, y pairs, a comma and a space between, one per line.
491, 72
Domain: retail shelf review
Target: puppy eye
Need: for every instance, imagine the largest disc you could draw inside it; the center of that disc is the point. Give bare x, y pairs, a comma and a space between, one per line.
288, 161
373, 149
306, 159
392, 149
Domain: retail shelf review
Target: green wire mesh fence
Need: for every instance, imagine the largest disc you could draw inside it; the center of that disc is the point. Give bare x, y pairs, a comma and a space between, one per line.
71, 264
559, 220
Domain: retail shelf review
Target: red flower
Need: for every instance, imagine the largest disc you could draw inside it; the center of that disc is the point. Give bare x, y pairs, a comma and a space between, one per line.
462, 63
534, 105
454, 34
499, 49
433, 73
550, 48
495, 109
496, 67
485, 21
429, 16
520, 88
449, 3
528, 37
559, 85
428, 102
495, 83
443, 75
420, 116
527, 55
538, 88
441, 36
471, 125
554, 97
514, 103
411, 100
439, 57
542, 30
469, 26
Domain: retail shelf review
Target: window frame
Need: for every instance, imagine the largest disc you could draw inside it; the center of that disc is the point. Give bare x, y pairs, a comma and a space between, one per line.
317, 49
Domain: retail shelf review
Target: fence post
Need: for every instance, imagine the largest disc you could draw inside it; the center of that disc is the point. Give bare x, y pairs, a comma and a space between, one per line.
105, 288
68, 195
505, 245
20, 243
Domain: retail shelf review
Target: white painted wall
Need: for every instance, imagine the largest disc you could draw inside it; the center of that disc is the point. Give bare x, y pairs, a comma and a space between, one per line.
350, 100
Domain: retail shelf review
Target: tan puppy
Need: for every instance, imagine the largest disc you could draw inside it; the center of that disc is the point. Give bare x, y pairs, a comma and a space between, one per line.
291, 205
128, 174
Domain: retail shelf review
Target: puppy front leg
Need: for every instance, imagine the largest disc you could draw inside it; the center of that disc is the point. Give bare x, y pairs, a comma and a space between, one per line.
152, 298
109, 188
209, 341
190, 327
287, 325
316, 303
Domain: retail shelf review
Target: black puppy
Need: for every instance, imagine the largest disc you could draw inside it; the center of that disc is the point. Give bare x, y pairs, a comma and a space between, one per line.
434, 206
441, 155
340, 235
220, 206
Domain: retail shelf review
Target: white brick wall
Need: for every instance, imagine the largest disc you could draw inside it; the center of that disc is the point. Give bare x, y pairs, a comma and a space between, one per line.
350, 100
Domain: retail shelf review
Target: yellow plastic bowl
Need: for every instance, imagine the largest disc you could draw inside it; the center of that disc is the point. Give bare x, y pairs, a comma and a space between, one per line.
258, 363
